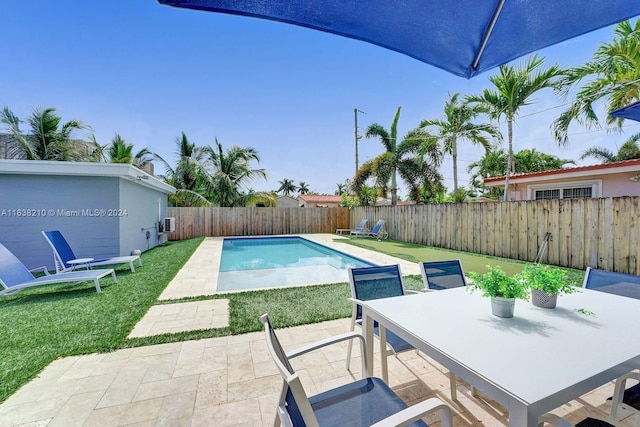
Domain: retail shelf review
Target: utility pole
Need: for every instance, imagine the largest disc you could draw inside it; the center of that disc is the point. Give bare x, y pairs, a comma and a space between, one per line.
355, 114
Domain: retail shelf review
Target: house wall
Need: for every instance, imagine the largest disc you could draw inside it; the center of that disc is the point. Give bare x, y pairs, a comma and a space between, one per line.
287, 202
611, 185
62, 203
141, 208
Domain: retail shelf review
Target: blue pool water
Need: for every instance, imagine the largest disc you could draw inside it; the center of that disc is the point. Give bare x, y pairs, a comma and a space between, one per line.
267, 262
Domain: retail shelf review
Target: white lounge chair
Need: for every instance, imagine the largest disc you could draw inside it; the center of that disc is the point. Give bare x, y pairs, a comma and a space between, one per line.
66, 260
15, 277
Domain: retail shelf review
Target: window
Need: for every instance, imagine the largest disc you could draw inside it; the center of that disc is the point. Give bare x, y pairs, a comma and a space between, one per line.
565, 190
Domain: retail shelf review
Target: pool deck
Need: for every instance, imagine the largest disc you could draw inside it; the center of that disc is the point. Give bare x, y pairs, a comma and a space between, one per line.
231, 381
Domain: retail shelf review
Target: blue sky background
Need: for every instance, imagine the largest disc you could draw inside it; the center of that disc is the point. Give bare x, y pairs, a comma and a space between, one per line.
149, 72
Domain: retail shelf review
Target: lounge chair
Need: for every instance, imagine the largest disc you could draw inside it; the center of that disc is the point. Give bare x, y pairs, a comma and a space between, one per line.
66, 260
365, 402
378, 230
14, 276
361, 229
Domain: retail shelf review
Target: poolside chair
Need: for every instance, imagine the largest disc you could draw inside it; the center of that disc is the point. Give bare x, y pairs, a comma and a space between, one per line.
14, 276
378, 230
439, 275
369, 283
66, 260
363, 402
361, 229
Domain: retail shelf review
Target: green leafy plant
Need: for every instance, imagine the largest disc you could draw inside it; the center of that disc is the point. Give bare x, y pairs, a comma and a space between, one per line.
496, 283
545, 278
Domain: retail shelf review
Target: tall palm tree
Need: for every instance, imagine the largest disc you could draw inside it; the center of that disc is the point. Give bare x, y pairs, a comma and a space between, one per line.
514, 87
119, 151
613, 76
230, 173
629, 150
287, 187
400, 157
303, 188
342, 188
458, 126
48, 138
189, 176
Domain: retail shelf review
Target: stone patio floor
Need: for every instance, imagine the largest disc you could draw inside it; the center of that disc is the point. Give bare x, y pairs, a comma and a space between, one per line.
231, 381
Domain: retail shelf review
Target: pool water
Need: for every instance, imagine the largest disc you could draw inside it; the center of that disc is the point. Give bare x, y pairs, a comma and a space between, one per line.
268, 262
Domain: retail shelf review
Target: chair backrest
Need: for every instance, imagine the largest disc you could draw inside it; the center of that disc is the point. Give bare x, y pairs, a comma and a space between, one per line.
626, 285
369, 283
61, 249
12, 270
439, 275
293, 403
361, 224
376, 228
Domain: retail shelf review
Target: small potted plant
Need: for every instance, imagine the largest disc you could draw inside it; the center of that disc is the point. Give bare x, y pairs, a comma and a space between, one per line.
502, 289
546, 283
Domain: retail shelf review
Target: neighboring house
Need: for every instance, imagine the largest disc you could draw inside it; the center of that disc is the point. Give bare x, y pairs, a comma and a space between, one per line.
103, 209
287, 202
320, 200
613, 179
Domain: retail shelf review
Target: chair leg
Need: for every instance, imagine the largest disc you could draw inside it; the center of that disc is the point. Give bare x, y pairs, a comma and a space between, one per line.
350, 346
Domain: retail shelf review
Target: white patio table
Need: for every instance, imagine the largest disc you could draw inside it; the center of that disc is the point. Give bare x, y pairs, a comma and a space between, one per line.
532, 363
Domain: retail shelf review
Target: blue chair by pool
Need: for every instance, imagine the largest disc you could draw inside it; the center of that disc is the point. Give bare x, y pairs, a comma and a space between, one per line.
369, 283
15, 277
66, 260
361, 229
378, 230
360, 403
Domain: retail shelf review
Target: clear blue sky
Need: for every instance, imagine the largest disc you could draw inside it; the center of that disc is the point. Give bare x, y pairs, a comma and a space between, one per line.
149, 72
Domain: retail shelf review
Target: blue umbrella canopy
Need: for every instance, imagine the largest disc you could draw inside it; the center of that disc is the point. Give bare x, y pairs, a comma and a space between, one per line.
464, 37
631, 112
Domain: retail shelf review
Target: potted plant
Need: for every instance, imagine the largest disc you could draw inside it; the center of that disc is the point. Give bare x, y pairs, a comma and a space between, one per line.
546, 283
502, 289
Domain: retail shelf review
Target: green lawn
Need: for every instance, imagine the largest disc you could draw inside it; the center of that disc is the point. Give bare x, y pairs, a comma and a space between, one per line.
43, 324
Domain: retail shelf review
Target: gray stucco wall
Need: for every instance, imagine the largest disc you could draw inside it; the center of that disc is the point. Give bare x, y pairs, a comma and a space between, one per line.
89, 211
143, 206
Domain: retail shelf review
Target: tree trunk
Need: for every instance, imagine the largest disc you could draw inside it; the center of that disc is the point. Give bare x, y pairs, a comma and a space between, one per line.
509, 159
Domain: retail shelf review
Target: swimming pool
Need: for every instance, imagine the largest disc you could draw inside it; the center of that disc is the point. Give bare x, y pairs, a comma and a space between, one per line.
269, 262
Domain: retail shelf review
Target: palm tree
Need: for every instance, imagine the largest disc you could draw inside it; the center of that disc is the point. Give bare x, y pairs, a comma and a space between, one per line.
230, 173
119, 151
303, 188
342, 188
513, 90
613, 76
458, 125
48, 138
397, 159
287, 187
189, 176
629, 150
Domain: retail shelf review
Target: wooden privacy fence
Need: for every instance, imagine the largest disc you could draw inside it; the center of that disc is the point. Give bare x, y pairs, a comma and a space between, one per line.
602, 233
197, 222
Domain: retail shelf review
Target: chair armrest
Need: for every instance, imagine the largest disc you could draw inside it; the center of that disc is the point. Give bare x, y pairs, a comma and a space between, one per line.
43, 269
411, 291
325, 342
553, 420
417, 411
